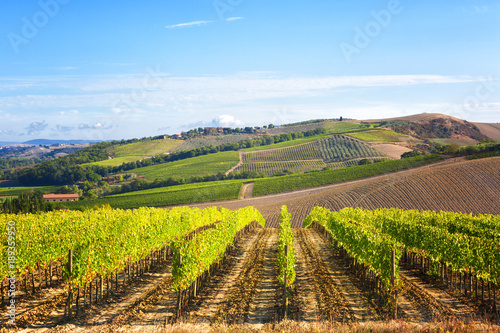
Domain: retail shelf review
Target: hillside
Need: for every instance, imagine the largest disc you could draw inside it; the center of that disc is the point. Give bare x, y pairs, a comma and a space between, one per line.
330, 152
138, 151
200, 166
492, 131
454, 185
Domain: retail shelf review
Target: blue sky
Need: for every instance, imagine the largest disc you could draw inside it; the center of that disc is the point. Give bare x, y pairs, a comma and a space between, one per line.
101, 70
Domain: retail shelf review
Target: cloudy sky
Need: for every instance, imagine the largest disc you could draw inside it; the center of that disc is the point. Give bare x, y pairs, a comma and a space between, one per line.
103, 70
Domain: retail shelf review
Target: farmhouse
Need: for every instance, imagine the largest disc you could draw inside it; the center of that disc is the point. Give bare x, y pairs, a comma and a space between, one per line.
60, 197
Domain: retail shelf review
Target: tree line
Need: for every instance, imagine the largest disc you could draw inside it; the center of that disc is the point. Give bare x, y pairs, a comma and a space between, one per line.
69, 169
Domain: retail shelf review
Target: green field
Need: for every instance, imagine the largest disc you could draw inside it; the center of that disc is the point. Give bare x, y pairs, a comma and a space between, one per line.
379, 135
167, 196
272, 168
204, 165
139, 150
15, 191
229, 189
459, 142
300, 181
340, 126
212, 140
117, 161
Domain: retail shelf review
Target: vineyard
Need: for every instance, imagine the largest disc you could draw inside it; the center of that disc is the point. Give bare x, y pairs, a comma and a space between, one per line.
220, 266
333, 152
273, 168
307, 151
339, 148
453, 185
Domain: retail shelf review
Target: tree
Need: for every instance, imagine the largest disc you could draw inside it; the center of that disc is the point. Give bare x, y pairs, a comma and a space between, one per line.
28, 202
451, 149
365, 161
412, 153
340, 119
93, 177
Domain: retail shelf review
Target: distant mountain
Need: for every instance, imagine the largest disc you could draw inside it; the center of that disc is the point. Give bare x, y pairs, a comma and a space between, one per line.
54, 142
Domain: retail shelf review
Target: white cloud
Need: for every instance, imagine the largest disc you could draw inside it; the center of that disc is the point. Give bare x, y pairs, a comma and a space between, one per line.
481, 9
96, 104
64, 129
36, 127
226, 120
69, 113
187, 24
120, 94
234, 18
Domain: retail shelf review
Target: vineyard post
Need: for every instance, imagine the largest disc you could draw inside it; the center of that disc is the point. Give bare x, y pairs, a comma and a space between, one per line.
393, 282
179, 295
70, 293
285, 304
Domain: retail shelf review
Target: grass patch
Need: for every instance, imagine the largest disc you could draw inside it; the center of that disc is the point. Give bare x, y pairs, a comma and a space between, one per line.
212, 140
204, 165
139, 150
459, 142
300, 181
147, 148
340, 126
17, 190
117, 161
379, 135
167, 196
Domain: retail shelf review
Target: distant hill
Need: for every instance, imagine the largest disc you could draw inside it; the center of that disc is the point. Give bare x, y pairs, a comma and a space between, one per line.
54, 142
435, 126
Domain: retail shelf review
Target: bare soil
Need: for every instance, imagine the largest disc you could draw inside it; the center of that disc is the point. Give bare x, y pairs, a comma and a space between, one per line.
246, 191
391, 150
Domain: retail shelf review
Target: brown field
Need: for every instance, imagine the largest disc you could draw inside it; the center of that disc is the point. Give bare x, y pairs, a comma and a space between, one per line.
453, 185
391, 150
492, 131
412, 118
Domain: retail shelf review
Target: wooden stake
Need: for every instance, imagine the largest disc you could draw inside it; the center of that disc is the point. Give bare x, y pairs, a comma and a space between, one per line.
393, 282
285, 304
179, 295
69, 302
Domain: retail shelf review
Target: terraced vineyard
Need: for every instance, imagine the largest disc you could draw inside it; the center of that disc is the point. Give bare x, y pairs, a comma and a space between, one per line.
339, 148
223, 271
272, 168
333, 152
307, 151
